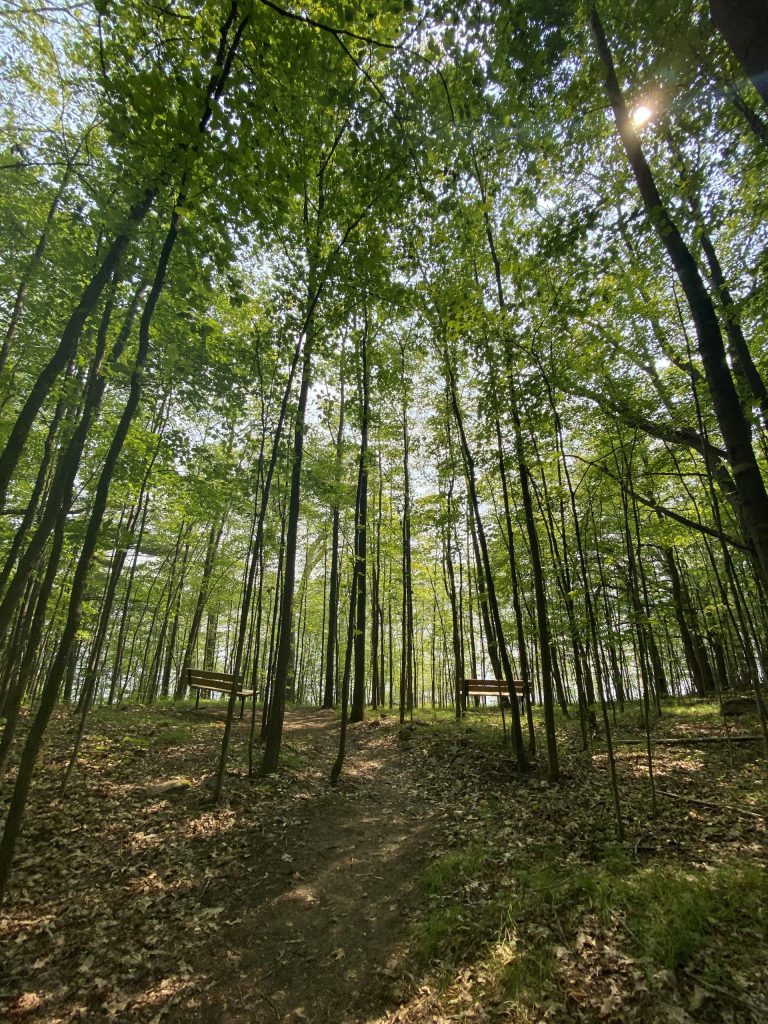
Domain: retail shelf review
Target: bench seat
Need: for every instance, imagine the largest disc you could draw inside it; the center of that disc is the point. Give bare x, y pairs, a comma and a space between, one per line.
492, 688
202, 680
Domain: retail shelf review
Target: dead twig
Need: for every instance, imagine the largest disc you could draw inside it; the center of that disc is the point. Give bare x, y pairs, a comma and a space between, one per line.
712, 804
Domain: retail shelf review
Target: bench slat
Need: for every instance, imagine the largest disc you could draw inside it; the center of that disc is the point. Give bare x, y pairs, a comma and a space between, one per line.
200, 675
484, 687
220, 688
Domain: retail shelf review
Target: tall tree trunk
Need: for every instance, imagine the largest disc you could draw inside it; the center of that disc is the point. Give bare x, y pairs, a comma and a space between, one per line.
255, 560
522, 651
338, 764
24, 677
165, 685
333, 588
730, 417
450, 587
62, 485
357, 712
284, 660
542, 614
75, 609
42, 483
117, 663
358, 571
406, 660
744, 26
469, 473
377, 685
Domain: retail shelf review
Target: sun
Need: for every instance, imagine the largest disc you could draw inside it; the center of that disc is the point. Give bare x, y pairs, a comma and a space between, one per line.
641, 115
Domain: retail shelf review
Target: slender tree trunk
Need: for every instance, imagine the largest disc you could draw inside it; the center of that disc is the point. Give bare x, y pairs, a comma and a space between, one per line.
62, 486
126, 603
406, 669
450, 586
35, 260
333, 595
542, 614
338, 764
75, 610
260, 515
42, 483
68, 343
13, 704
377, 684
352, 628
744, 368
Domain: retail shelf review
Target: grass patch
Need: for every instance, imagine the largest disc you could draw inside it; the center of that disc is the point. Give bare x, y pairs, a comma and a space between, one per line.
289, 759
670, 913
448, 871
176, 735
138, 742
512, 923
455, 924
673, 913
691, 709
445, 934
121, 714
479, 728
527, 974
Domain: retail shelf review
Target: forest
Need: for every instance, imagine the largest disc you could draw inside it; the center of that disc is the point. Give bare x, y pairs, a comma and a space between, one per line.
356, 355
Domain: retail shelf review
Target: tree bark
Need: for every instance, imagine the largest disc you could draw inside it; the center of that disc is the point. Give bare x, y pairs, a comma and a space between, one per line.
744, 26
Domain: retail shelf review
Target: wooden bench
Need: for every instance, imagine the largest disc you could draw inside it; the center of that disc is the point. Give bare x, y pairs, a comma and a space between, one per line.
492, 688
199, 679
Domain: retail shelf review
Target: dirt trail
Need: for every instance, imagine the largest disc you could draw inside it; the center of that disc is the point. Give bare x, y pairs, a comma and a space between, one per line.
314, 931
136, 901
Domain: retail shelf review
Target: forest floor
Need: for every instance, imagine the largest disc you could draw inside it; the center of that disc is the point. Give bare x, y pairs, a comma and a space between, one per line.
433, 884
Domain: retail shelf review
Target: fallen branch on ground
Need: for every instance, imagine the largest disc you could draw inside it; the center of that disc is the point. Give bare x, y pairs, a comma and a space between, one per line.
711, 803
692, 740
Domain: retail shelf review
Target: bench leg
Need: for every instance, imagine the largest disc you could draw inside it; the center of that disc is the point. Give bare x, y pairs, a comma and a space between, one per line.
503, 720
197, 700
242, 706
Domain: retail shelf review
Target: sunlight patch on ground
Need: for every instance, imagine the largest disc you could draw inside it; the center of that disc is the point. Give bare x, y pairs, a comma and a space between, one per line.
300, 894
166, 993
141, 841
210, 822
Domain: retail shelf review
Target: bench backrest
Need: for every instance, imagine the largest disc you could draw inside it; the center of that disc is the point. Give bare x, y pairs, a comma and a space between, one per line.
491, 687
199, 676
